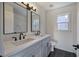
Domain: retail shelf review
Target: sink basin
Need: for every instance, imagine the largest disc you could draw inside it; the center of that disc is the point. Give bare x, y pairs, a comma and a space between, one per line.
39, 35
26, 40
20, 42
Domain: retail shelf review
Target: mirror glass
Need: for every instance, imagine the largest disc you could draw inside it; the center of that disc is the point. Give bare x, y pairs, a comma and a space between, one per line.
35, 22
15, 18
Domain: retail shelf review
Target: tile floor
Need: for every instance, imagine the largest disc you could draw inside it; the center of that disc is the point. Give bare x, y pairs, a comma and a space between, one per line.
61, 53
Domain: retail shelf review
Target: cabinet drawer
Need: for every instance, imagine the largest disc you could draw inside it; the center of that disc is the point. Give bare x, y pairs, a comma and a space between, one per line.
36, 45
33, 51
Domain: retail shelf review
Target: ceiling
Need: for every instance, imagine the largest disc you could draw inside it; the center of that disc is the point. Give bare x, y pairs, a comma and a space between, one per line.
53, 5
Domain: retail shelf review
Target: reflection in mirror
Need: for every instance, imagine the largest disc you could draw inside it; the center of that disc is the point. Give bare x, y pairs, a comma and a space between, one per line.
35, 22
15, 18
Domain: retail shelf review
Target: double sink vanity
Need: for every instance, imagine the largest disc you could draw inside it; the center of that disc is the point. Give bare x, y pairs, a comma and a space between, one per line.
31, 46
15, 21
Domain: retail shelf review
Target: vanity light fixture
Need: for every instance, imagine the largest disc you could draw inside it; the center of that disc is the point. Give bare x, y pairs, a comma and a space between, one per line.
29, 7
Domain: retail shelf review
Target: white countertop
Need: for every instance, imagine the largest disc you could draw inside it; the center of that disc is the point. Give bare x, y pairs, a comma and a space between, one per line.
11, 49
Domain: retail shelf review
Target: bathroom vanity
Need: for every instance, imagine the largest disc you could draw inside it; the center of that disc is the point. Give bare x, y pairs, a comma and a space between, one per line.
36, 47
16, 22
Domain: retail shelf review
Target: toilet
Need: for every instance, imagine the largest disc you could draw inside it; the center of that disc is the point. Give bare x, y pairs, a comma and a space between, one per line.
52, 44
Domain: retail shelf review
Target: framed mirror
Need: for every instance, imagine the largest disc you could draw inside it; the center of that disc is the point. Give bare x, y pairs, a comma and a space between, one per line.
15, 18
35, 22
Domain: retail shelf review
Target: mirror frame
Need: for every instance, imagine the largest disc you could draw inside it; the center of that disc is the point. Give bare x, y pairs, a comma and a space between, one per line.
4, 19
31, 21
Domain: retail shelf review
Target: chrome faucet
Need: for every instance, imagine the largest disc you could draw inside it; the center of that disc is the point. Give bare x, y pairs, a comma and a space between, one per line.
37, 33
21, 34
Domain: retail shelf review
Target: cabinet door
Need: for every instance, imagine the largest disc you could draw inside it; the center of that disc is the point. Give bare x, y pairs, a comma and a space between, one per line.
45, 47
48, 48
28, 51
34, 50
44, 50
37, 52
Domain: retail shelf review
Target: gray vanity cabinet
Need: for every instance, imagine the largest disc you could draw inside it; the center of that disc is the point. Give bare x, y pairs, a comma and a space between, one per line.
31, 51
38, 49
34, 50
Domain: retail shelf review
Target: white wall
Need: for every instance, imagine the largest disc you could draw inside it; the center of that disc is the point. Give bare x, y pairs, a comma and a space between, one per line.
78, 28
65, 39
1, 31
78, 23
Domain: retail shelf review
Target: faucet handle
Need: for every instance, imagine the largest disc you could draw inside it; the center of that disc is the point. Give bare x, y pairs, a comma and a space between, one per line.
15, 38
38, 32
24, 36
21, 33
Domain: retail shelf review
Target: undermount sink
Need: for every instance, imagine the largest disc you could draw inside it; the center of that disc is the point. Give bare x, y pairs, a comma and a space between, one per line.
26, 40
20, 42
39, 35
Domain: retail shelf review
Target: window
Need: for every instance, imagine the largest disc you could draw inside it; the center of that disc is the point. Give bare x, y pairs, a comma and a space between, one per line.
63, 22
35, 25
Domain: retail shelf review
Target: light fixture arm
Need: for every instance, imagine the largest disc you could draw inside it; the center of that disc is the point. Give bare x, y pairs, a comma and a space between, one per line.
28, 7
